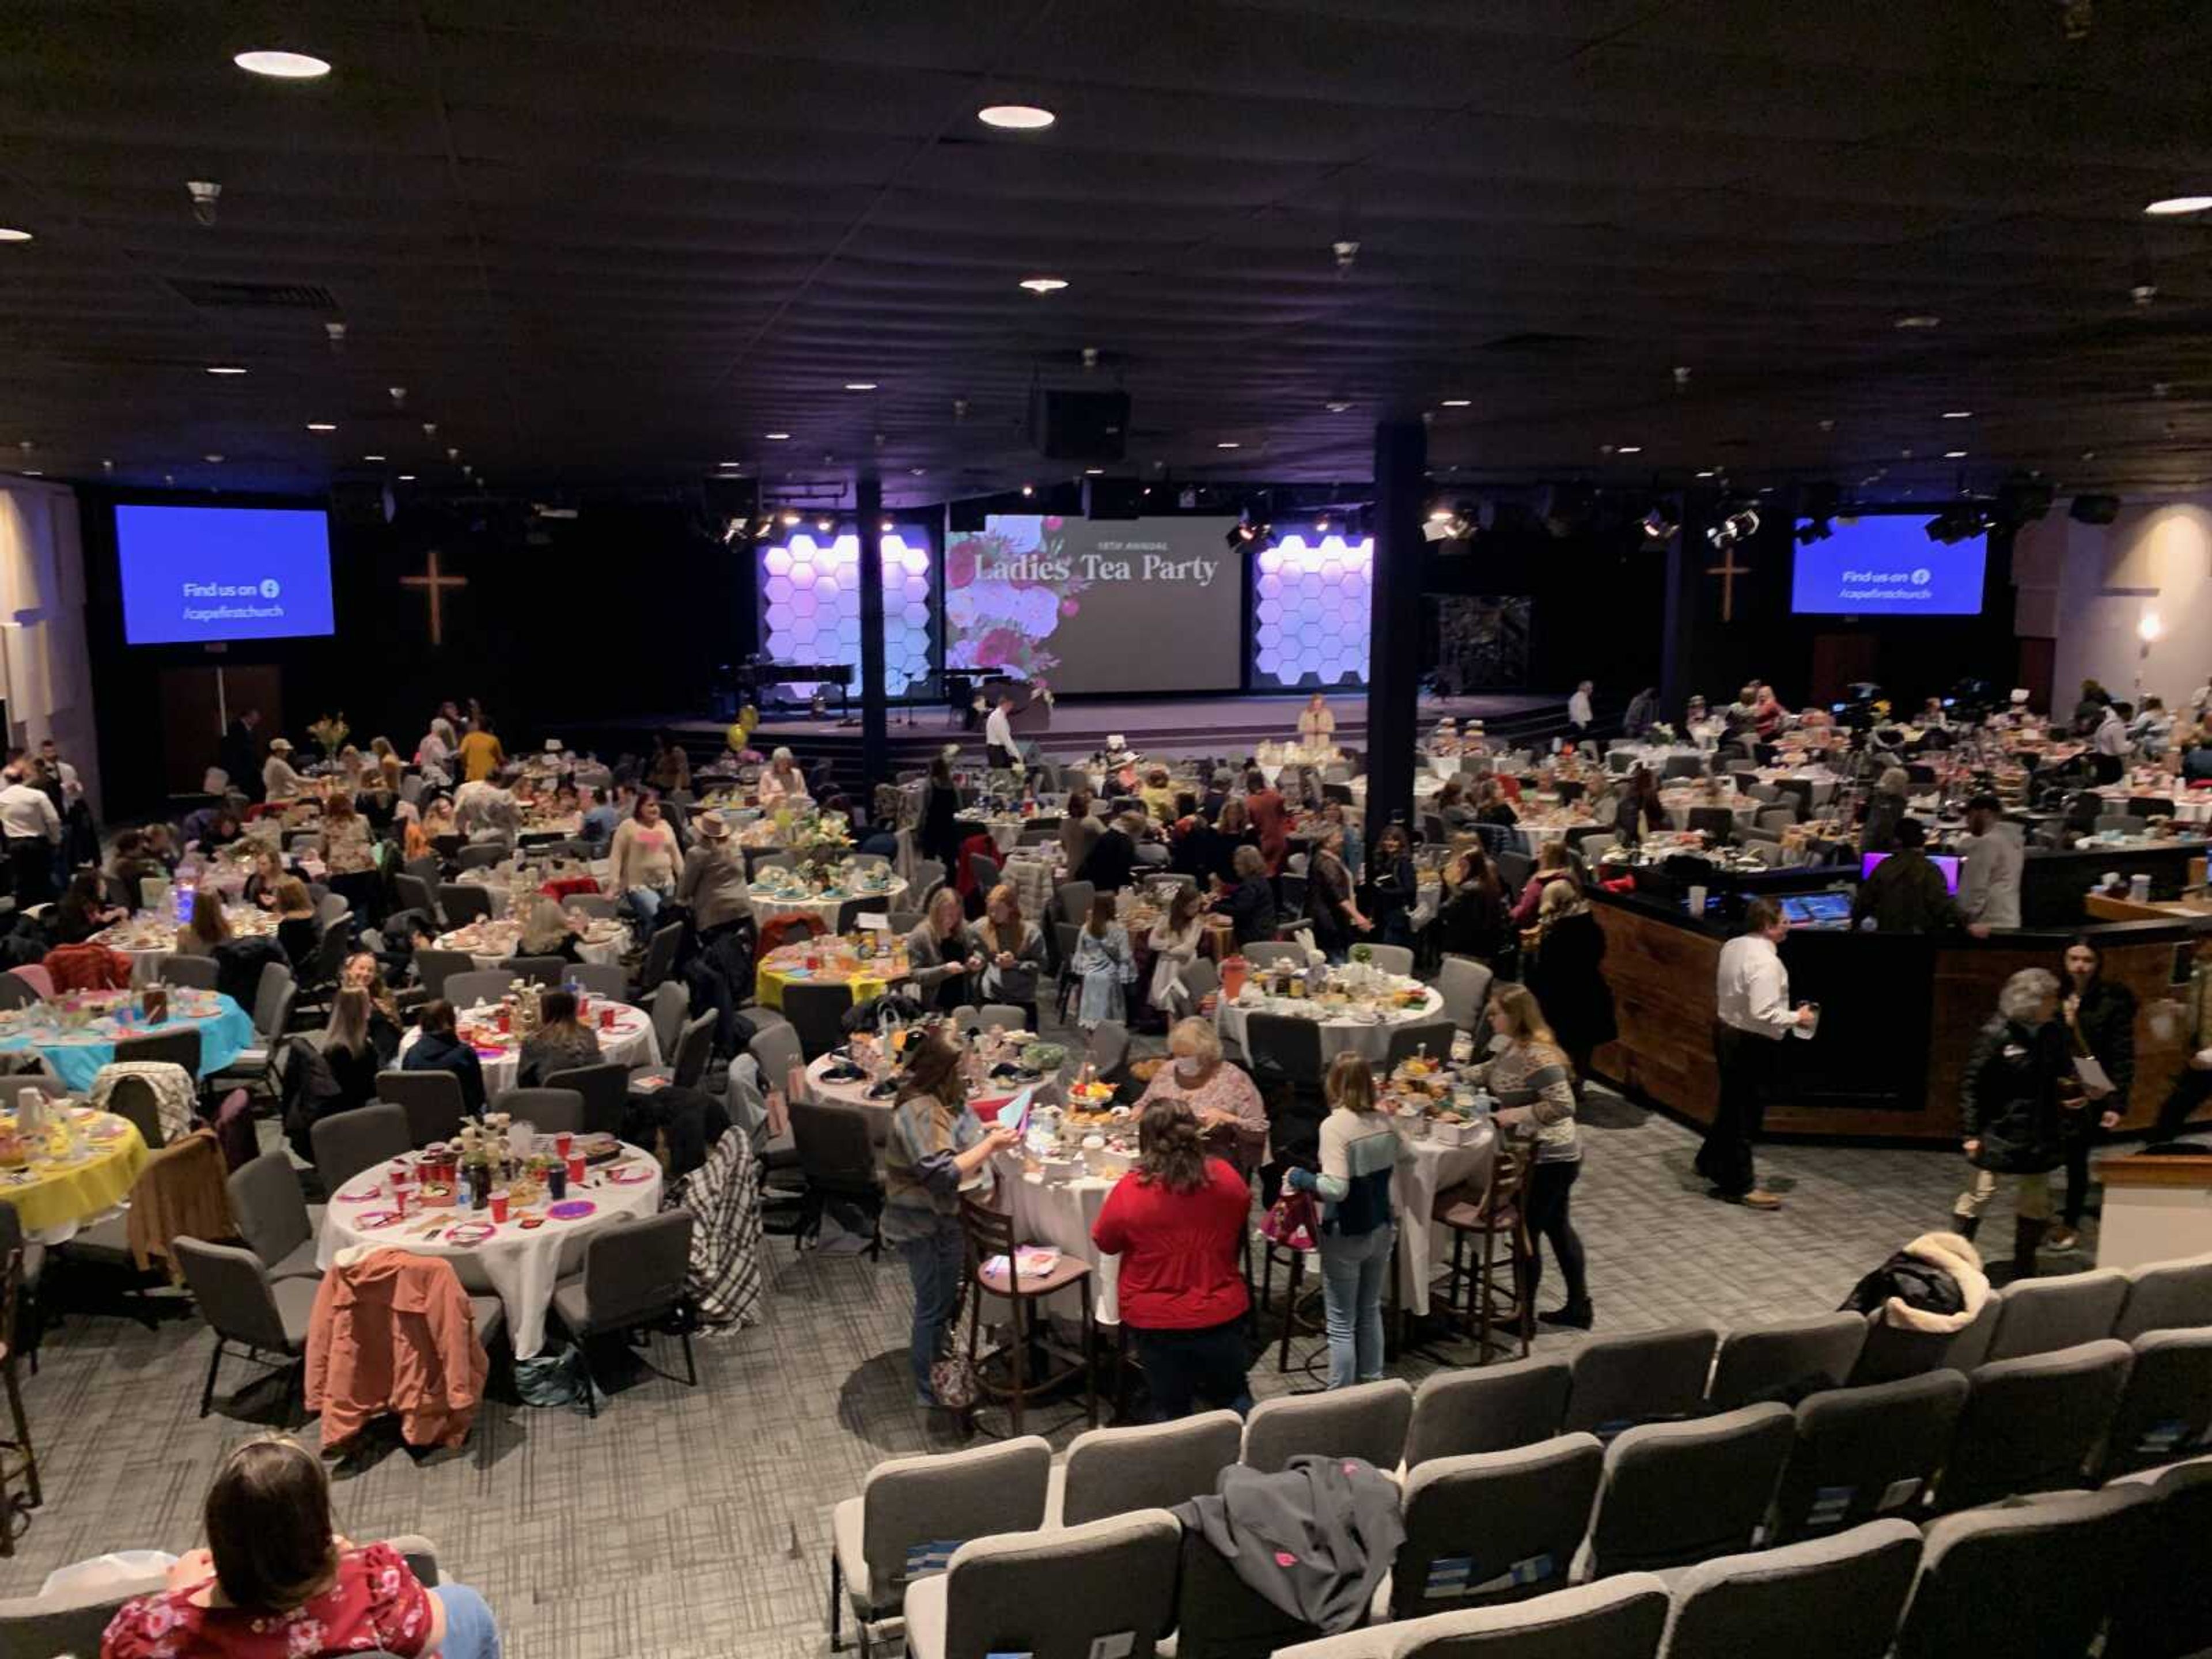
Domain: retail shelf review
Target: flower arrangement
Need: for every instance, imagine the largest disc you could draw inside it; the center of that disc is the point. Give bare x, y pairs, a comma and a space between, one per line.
1362, 954
331, 732
1660, 730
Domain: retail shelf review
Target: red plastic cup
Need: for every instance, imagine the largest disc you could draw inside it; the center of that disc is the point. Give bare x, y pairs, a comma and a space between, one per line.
399, 1200
606, 1020
560, 1143
505, 1022
499, 1207
576, 1169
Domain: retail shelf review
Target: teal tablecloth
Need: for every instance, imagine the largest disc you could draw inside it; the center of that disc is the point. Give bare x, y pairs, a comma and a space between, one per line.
224, 1034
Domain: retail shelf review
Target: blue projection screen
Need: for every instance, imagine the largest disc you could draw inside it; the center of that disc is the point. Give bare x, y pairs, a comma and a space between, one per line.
195, 575
1885, 565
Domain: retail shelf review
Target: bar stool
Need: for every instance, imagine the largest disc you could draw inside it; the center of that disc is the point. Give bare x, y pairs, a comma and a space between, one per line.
991, 1237
1488, 1218
17, 1460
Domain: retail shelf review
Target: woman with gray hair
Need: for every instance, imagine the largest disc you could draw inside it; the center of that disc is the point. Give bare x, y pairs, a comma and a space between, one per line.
783, 783
2008, 1111
1884, 811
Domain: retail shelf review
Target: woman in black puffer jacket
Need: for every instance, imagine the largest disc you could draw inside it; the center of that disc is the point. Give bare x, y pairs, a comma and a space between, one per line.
2009, 1111
2099, 1015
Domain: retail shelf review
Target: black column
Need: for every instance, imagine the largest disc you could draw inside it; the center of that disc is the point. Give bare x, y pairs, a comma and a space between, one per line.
875, 737
1394, 653
1687, 646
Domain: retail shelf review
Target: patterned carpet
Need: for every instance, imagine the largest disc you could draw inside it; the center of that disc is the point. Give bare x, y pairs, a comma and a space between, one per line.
693, 1522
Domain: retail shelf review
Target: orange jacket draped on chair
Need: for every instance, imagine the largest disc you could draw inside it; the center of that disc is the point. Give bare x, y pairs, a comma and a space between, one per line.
392, 1332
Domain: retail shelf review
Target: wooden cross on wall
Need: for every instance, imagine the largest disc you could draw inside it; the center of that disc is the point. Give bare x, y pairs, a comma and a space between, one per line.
1728, 570
434, 585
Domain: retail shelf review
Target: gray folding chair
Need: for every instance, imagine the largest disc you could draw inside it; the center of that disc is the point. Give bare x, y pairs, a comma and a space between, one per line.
633, 1276
133, 1098
1431, 1037
2040, 1315
1490, 1527
1651, 1377
1620, 1618
695, 1046
2040, 1572
1284, 1049
913, 1513
2032, 1424
432, 1100
659, 959
1895, 1350
16, 992
2170, 1295
1150, 1466
272, 1216
836, 1149
274, 995
548, 1111
1861, 1454
197, 972
548, 971
176, 1046
411, 892
775, 1050
597, 906
1112, 1580
606, 1089
482, 855
462, 902
1679, 1492
602, 979
1073, 901
268, 1319
1108, 1051
1784, 1362
668, 1008
1830, 1598
1464, 984
477, 985
346, 1143
1486, 1408
1264, 953
1368, 1420
437, 970
2163, 1609
1001, 1017
2166, 1412
816, 1012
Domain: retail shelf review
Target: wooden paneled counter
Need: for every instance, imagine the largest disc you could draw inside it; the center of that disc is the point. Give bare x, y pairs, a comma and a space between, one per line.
1898, 1015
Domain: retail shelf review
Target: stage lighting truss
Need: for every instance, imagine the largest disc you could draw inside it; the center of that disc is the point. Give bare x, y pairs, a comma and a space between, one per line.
1960, 524
1735, 527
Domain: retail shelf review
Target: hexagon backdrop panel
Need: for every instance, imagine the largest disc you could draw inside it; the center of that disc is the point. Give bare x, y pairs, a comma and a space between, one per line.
1310, 601
810, 604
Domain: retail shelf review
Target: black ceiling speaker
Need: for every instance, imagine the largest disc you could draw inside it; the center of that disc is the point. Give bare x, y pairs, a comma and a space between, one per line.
1078, 426
2094, 509
1112, 498
362, 503
968, 516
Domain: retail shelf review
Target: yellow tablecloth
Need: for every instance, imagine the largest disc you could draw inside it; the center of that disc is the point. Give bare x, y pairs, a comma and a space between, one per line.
780, 967
61, 1195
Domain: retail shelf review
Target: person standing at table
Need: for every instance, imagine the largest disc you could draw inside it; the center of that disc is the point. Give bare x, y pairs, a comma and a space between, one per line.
1174, 942
713, 880
2101, 1029
1568, 977
479, 753
936, 1147
33, 830
1990, 872
1112, 862
940, 815
1080, 829
1102, 964
1270, 820
1535, 1087
1332, 904
1316, 724
1752, 1016
240, 755
1250, 903
1177, 1223
1579, 712
645, 863
2110, 744
2008, 1111
1359, 1152
998, 735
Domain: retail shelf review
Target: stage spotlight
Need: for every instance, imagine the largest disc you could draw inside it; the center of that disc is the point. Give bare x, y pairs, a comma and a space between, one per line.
1958, 524
732, 530
1814, 530
1658, 527
1738, 524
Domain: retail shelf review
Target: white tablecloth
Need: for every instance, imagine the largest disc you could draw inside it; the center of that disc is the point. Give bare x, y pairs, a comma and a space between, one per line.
505, 938
819, 1087
146, 960
1061, 1214
1414, 1185
499, 883
518, 1265
1744, 809
1337, 1036
826, 910
1007, 832
630, 1042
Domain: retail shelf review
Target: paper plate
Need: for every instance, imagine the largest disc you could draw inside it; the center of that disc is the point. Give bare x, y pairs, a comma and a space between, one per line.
361, 1197
629, 1174
106, 1131
572, 1209
374, 1219
469, 1232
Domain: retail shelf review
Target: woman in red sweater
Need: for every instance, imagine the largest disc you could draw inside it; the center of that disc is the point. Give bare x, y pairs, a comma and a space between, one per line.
1176, 1222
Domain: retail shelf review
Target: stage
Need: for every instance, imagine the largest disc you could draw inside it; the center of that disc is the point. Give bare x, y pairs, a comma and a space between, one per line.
1228, 727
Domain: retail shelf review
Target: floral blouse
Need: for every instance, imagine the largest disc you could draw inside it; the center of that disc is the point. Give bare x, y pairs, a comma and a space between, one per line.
376, 1602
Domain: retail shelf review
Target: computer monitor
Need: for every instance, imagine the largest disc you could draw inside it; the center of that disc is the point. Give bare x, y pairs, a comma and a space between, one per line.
1949, 866
1817, 909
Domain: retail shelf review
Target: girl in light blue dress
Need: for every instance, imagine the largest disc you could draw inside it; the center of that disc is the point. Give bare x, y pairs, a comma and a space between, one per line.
1103, 964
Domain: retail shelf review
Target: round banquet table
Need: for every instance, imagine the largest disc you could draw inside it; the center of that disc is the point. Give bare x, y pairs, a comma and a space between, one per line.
491, 943
856, 1094
825, 908
1742, 808
75, 1056
1432, 1168
520, 1264
1005, 830
1339, 1035
630, 1042
149, 940
52, 1198
788, 963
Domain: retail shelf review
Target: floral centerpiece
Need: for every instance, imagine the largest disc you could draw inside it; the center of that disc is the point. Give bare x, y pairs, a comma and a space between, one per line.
330, 733
1660, 731
818, 841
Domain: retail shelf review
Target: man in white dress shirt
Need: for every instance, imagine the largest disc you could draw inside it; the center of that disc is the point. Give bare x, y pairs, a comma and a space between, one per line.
1578, 708
998, 736
1752, 1016
2111, 745
33, 830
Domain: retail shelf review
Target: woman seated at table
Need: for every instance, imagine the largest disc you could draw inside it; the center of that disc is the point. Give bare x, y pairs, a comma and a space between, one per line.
345, 834
1177, 1223
1474, 920
561, 1042
1452, 805
298, 929
437, 820
261, 881
439, 1048
1331, 905
1157, 796
783, 784
644, 862
1101, 964
941, 954
1491, 806
1013, 950
82, 909
349, 1052
548, 933
1553, 862
1250, 903
1175, 941
1639, 808
362, 972
208, 927
131, 863
277, 1581
1080, 829
1233, 827
1229, 1109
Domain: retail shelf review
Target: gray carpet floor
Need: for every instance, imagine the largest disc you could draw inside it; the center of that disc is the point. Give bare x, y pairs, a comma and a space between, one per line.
694, 1521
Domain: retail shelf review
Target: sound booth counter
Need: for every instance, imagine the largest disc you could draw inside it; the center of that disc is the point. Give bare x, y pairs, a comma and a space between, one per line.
1897, 1013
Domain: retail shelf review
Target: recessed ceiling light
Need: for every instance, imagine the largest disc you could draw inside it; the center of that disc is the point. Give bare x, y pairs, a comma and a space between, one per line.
1337, 405
1094, 471
1459, 403
1044, 285
1229, 443
225, 368
1955, 454
1629, 449
1707, 473
2170, 207
823, 525
371, 458
32, 472
9, 234
859, 386
282, 65
322, 426
212, 459
1016, 118
1029, 489
1920, 320
777, 437
407, 477
1957, 414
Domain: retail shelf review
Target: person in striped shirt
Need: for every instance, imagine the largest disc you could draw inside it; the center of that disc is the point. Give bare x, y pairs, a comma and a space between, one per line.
1359, 1152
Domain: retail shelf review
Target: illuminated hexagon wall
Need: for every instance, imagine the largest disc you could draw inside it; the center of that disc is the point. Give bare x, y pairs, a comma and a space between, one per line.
1310, 611
810, 593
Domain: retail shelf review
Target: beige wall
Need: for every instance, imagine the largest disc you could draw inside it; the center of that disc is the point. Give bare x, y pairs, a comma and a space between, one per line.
2090, 588
43, 663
